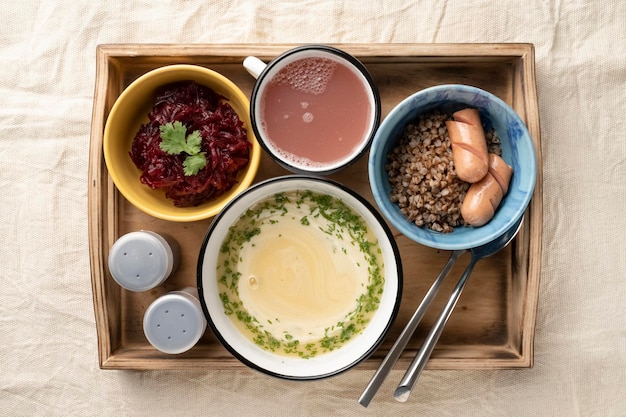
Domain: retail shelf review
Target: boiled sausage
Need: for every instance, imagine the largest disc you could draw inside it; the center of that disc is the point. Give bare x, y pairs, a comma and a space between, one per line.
469, 147
483, 197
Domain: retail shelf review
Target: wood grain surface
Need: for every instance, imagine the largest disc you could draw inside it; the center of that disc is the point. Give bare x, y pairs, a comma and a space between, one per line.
493, 323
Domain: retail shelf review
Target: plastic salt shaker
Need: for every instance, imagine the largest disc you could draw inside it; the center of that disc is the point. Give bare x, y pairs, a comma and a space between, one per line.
174, 322
142, 260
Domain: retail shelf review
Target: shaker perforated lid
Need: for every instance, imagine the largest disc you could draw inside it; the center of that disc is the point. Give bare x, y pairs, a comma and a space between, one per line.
141, 260
174, 322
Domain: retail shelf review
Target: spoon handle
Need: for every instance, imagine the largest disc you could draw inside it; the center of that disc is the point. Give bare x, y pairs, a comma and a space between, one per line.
417, 366
397, 348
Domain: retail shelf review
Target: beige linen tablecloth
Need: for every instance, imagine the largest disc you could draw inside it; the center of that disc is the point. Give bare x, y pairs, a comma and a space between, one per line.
48, 348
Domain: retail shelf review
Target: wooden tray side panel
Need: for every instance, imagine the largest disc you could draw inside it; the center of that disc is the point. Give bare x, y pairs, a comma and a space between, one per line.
533, 242
106, 313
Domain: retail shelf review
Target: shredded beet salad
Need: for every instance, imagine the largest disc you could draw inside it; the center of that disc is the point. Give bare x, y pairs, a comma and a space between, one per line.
224, 143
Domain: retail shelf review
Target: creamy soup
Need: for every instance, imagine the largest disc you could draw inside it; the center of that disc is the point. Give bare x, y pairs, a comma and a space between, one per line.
300, 274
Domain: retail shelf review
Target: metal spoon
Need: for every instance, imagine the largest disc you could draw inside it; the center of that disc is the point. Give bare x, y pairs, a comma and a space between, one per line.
417, 366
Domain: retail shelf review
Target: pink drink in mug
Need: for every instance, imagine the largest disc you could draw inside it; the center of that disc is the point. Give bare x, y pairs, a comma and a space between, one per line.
315, 109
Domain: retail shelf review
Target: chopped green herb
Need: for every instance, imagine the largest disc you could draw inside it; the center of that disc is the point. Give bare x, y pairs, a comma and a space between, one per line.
333, 217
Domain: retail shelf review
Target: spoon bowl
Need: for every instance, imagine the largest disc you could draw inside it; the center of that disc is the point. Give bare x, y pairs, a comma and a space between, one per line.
403, 390
497, 244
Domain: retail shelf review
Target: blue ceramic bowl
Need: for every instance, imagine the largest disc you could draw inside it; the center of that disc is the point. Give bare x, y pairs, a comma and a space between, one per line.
517, 150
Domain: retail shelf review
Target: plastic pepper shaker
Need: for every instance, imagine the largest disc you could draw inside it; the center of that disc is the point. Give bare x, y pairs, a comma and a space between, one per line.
142, 260
175, 322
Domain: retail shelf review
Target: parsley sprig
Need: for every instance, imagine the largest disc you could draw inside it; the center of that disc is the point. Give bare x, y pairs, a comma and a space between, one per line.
174, 140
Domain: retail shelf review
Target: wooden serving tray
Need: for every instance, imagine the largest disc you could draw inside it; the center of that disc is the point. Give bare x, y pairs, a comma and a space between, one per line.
493, 323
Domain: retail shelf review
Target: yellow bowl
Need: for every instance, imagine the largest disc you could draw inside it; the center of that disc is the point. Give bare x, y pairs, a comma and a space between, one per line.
131, 110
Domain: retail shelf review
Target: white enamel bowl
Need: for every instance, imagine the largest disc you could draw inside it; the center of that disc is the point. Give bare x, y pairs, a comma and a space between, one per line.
359, 347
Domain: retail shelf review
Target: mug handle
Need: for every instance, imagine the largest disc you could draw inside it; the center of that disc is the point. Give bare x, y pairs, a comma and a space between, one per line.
254, 66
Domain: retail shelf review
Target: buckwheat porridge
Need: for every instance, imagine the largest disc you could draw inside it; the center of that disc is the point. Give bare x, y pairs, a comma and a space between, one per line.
421, 173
